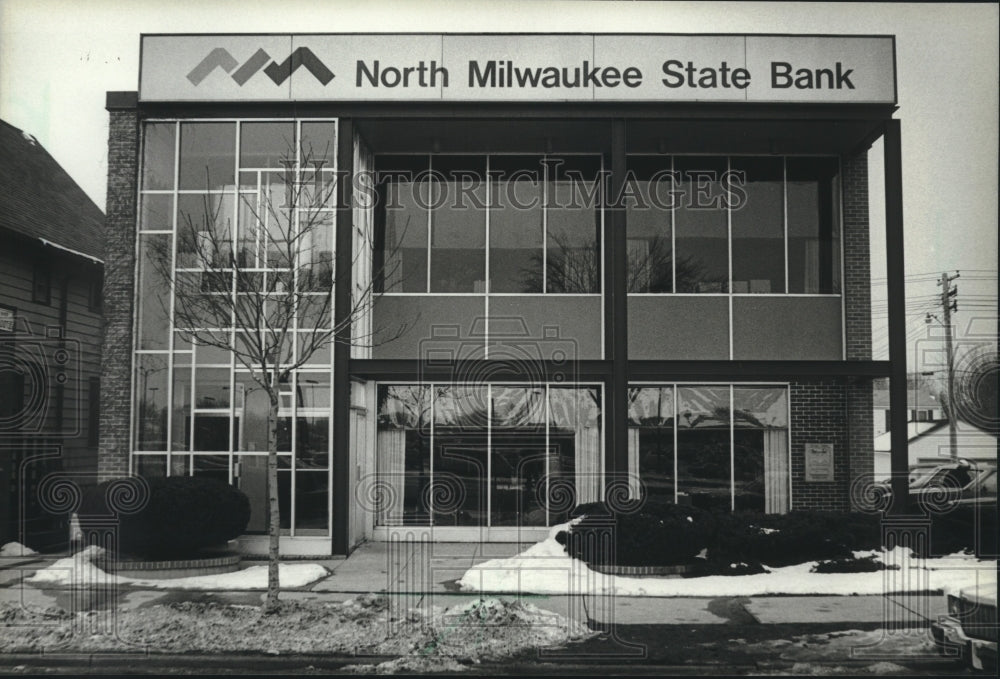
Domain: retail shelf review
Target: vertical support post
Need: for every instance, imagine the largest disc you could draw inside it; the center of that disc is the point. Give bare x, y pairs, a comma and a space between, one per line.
949, 348
895, 269
616, 308
341, 458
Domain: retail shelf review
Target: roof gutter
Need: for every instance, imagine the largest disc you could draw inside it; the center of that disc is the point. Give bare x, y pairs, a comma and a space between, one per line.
71, 251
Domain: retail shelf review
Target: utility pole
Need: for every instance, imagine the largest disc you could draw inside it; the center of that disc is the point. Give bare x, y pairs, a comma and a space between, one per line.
949, 304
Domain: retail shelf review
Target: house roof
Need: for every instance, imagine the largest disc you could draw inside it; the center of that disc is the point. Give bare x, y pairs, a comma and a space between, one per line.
917, 431
925, 398
40, 200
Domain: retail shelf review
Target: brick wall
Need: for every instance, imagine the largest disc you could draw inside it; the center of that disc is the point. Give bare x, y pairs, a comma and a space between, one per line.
819, 409
857, 296
119, 271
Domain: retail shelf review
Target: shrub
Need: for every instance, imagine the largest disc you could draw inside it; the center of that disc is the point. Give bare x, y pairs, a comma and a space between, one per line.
181, 516
866, 564
656, 535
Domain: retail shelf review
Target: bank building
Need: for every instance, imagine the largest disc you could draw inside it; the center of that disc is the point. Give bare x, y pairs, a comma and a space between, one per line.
531, 271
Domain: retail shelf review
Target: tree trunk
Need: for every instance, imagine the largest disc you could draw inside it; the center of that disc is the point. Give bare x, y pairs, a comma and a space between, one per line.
274, 522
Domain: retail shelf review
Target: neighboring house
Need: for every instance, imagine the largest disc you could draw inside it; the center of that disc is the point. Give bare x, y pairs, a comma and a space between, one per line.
51, 271
929, 444
924, 405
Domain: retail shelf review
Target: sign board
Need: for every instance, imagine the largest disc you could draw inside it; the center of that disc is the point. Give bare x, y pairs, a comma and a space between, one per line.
8, 316
819, 461
519, 67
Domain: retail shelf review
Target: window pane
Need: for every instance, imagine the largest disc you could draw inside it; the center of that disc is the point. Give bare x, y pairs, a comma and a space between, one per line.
813, 225
460, 465
313, 390
208, 156
251, 410
312, 492
319, 144
516, 236
267, 145
400, 263
205, 225
760, 453
212, 467
649, 219
651, 442
403, 454
312, 443
759, 226
154, 291
315, 250
157, 212
150, 466
703, 447
181, 427
573, 225
211, 389
702, 224
151, 402
518, 450
576, 467
211, 432
458, 224
158, 156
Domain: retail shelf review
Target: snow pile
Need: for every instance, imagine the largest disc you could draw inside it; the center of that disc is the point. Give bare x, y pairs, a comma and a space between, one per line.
545, 568
79, 570
12, 549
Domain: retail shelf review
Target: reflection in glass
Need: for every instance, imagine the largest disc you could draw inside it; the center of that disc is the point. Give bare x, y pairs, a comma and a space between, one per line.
458, 496
251, 406
575, 446
154, 291
758, 226
150, 466
649, 220
760, 453
312, 513
813, 225
212, 467
518, 451
701, 221
267, 145
204, 230
400, 258
157, 212
516, 228
403, 460
573, 200
458, 224
151, 409
208, 156
703, 447
651, 442
158, 156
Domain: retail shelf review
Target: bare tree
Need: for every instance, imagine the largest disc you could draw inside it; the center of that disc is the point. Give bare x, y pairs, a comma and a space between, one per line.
249, 286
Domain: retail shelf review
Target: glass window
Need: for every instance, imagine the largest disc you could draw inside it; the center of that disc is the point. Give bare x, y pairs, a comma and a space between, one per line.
400, 261
157, 212
518, 456
760, 449
312, 443
205, 224
151, 402
154, 291
813, 225
573, 224
403, 459
651, 442
701, 221
516, 224
319, 144
251, 409
158, 156
703, 447
208, 156
649, 216
267, 145
758, 225
458, 224
458, 497
312, 498
576, 466
150, 466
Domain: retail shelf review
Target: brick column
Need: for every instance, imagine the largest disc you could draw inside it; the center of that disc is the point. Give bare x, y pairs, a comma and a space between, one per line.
857, 302
119, 285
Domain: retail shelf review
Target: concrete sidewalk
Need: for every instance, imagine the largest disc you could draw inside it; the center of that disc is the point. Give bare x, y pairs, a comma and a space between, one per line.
423, 574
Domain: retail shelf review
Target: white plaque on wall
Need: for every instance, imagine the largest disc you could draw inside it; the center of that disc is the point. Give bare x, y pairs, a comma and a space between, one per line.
819, 462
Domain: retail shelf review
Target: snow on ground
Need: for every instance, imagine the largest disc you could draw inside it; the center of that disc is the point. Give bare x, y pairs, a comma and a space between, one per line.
16, 549
545, 568
80, 570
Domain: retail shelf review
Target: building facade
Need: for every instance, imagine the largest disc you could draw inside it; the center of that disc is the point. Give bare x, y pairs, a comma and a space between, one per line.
560, 269
50, 339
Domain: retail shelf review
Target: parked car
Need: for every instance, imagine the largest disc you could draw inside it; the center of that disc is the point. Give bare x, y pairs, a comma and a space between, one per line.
970, 626
963, 482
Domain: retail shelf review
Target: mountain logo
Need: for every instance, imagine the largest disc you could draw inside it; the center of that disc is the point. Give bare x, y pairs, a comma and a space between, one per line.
241, 73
